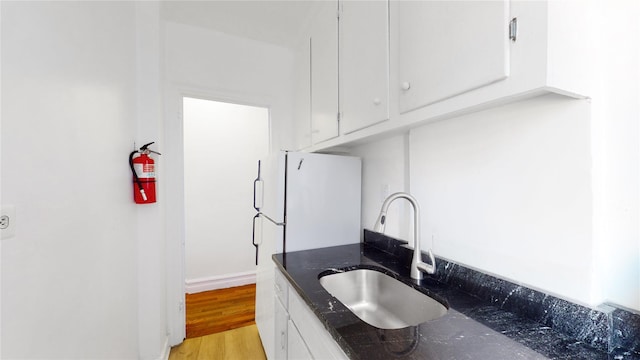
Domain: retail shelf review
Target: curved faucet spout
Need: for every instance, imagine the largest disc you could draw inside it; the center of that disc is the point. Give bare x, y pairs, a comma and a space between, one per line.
417, 265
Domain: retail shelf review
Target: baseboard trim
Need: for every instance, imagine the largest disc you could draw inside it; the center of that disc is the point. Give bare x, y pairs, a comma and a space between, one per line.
166, 351
219, 282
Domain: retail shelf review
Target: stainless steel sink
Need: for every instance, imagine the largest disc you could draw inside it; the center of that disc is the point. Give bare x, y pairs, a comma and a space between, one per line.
381, 300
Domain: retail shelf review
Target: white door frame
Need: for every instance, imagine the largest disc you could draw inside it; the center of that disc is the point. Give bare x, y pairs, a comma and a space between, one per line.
175, 209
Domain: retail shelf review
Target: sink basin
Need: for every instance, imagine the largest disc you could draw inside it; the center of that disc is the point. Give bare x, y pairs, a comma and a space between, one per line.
381, 300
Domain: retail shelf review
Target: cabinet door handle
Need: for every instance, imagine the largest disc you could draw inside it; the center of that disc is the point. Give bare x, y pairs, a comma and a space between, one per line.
377, 101
513, 29
282, 340
406, 85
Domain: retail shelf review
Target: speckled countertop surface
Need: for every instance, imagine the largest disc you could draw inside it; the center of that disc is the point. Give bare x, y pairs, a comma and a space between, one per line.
472, 328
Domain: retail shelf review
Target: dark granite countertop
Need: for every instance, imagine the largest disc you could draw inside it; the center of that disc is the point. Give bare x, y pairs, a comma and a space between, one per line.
472, 328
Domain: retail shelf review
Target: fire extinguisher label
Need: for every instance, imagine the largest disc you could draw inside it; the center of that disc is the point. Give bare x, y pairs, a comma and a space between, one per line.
144, 171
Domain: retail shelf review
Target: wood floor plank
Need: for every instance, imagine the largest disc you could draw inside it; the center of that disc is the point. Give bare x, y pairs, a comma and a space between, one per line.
188, 350
213, 347
221, 325
237, 344
243, 345
220, 310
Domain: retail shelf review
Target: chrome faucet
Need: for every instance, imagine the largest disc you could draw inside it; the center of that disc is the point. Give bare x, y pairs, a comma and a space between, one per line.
417, 266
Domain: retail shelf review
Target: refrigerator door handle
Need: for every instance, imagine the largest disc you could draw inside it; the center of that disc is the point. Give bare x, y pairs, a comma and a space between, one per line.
258, 187
273, 221
253, 237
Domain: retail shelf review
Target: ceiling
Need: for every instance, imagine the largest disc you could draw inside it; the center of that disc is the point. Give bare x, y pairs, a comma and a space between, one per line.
276, 22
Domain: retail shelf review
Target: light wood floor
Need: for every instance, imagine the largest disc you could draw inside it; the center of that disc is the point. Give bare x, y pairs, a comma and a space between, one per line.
221, 325
238, 344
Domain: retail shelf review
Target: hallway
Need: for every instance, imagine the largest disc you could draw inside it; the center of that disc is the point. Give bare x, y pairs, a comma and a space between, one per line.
221, 325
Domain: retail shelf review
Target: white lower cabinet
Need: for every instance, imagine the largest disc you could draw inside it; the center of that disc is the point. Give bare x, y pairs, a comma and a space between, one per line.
297, 349
281, 331
299, 334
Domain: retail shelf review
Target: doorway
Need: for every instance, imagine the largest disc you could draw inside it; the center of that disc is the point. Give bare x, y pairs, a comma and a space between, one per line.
222, 142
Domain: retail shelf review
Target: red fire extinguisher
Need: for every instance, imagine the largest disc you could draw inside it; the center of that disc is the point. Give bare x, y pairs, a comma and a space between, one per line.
144, 176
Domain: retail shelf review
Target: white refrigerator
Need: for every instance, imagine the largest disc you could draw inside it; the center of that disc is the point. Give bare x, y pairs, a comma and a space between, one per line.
303, 201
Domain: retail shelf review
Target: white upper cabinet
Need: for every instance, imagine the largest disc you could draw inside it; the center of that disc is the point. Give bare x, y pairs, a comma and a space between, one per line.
302, 120
364, 64
456, 57
413, 62
324, 73
446, 48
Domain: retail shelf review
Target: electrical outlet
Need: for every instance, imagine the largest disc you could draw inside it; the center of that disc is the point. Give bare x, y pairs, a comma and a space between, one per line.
7, 221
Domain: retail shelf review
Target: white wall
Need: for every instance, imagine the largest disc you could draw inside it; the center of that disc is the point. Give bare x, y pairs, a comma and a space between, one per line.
508, 191
384, 172
536, 192
221, 144
208, 64
152, 305
69, 277
225, 67
616, 134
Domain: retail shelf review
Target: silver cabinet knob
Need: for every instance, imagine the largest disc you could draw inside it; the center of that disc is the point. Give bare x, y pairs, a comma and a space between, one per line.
377, 101
406, 85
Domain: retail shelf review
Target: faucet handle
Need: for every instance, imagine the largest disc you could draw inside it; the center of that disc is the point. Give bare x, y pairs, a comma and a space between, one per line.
428, 268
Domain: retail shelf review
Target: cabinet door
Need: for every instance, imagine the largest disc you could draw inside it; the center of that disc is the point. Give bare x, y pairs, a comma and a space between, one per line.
297, 350
324, 73
281, 333
364, 64
316, 338
302, 120
447, 48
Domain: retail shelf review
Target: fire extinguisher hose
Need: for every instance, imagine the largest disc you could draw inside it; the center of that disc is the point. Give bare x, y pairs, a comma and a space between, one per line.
135, 176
